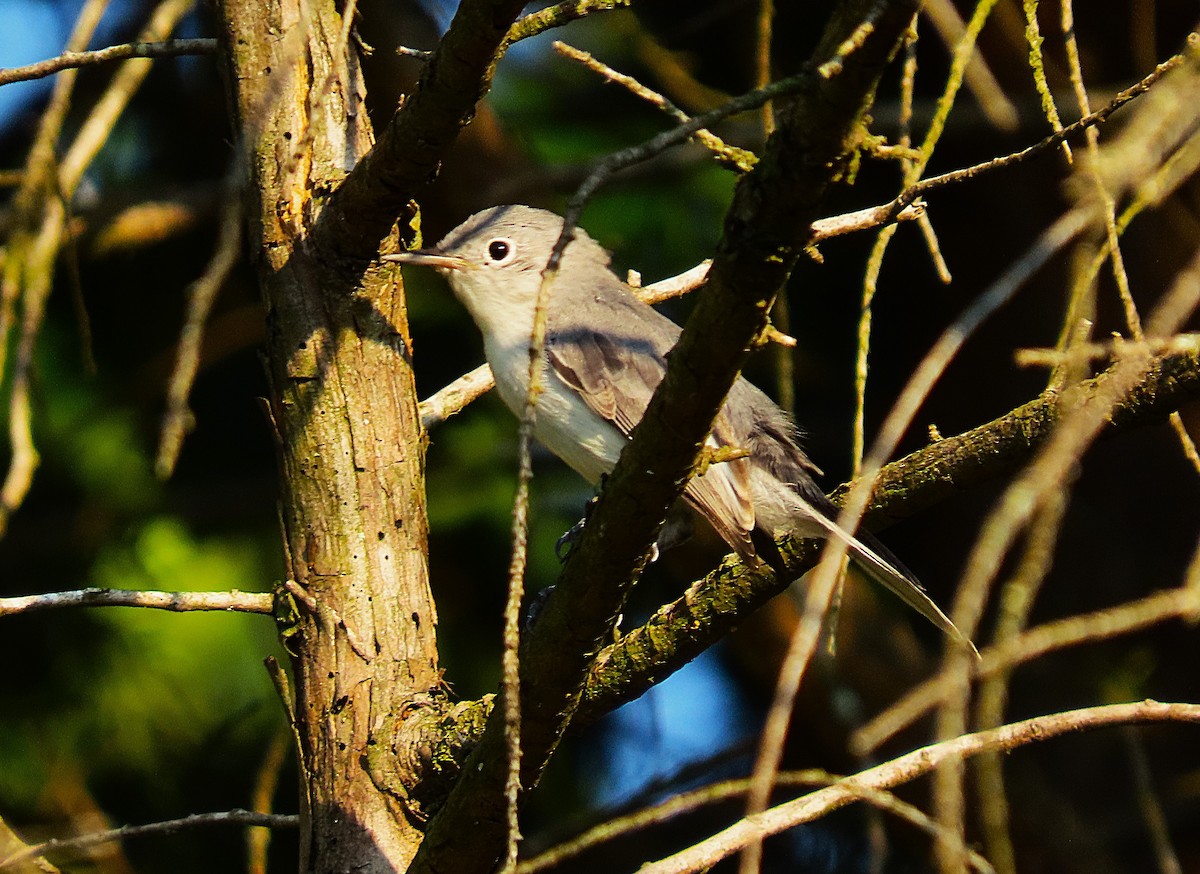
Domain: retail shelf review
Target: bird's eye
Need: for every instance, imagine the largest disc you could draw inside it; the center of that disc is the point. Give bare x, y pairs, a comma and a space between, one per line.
500, 251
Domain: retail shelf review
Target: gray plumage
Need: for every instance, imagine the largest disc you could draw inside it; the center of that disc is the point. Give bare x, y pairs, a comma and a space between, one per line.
605, 354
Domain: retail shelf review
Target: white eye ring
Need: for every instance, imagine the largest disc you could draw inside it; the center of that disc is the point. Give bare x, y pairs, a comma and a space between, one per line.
500, 251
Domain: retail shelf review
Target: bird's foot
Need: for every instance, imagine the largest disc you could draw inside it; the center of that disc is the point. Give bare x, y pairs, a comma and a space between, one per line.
566, 544
537, 601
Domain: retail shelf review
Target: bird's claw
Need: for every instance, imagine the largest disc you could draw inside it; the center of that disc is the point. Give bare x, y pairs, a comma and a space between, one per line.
536, 602
565, 544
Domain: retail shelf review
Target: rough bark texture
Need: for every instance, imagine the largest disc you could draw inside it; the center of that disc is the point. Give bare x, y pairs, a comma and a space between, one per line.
351, 457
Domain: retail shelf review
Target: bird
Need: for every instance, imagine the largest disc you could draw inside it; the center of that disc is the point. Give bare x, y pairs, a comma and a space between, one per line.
605, 352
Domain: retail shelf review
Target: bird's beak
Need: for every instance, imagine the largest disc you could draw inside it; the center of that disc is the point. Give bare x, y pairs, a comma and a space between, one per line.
428, 258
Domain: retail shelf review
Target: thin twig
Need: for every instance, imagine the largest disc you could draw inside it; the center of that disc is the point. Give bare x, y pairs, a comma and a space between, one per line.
1088, 352
875, 258
258, 840
518, 564
74, 60
993, 102
177, 419
731, 156
857, 38
453, 398
95, 130
781, 318
605, 168
28, 264
1016, 603
1180, 603
34, 287
557, 16
702, 855
177, 602
196, 820
920, 189
686, 802
1033, 39
1152, 812
419, 54
675, 286
1091, 171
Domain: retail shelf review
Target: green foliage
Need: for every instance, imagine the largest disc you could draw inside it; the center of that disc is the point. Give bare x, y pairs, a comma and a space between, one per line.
472, 469
175, 680
159, 687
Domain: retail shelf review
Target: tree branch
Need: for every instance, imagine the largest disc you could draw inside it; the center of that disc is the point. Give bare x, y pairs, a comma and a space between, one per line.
1179, 603
177, 602
727, 790
932, 183
73, 60
557, 16
378, 193
171, 826
702, 856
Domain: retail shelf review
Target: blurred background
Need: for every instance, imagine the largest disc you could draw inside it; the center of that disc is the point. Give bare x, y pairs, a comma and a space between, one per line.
110, 716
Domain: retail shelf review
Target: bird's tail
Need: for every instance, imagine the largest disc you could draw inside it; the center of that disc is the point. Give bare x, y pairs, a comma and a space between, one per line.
877, 562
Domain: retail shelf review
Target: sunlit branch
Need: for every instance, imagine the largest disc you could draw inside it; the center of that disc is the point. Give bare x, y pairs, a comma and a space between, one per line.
177, 602
701, 856
72, 60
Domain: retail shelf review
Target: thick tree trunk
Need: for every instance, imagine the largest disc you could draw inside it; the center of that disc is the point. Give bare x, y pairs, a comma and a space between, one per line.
349, 440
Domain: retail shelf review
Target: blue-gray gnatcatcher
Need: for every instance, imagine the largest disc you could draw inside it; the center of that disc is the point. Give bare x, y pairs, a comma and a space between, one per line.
605, 354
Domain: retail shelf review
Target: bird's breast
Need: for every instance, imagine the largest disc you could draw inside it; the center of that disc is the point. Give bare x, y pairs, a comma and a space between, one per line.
563, 422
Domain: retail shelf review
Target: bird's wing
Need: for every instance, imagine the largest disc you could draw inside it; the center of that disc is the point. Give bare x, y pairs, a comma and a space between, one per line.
615, 372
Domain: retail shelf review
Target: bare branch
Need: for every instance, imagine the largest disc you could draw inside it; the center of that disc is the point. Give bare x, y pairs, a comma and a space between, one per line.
606, 167
731, 156
864, 220
906, 768
1028, 646
265, 786
1148, 801
73, 60
723, 791
994, 103
201, 295
196, 820
556, 16
1101, 115
377, 195
177, 602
